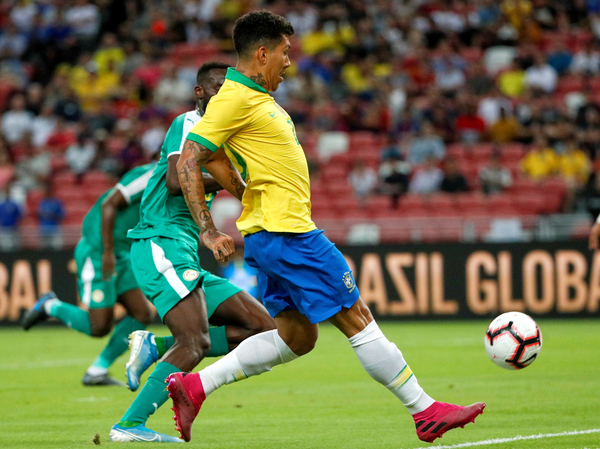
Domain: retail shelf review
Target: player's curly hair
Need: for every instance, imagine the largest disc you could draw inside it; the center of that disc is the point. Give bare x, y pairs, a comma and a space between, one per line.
204, 70
257, 29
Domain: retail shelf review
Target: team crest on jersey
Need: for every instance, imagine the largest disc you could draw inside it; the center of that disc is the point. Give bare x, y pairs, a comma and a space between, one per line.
190, 275
349, 281
97, 296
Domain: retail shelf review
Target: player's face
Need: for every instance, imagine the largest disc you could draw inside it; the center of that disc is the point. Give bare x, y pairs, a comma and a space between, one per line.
277, 63
210, 88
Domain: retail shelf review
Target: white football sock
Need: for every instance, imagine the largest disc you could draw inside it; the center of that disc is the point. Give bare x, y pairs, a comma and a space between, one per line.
96, 371
384, 363
51, 305
253, 356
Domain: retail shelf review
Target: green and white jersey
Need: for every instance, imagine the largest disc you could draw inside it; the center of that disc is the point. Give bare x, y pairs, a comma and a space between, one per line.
162, 214
131, 186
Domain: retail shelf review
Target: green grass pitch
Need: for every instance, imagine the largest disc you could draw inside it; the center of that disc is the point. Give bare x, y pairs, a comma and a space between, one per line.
323, 400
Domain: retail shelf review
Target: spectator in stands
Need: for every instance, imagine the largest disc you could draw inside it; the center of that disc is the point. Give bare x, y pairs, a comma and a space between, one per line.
34, 167
172, 92
490, 106
153, 137
449, 78
43, 125
13, 42
505, 129
495, 178
10, 216
589, 108
132, 154
68, 106
80, 156
394, 176
84, 18
512, 80
17, 120
427, 144
453, 181
560, 58
540, 161
574, 167
428, 178
479, 81
105, 161
469, 126
541, 75
586, 61
363, 180
391, 148
109, 54
50, 213
7, 169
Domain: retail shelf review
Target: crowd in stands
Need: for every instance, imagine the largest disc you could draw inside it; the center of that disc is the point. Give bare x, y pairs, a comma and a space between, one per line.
433, 96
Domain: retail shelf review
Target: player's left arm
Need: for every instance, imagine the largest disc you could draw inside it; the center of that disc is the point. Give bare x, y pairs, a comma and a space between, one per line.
109, 209
189, 168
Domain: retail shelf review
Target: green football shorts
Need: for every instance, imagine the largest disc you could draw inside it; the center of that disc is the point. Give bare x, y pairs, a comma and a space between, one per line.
167, 270
94, 292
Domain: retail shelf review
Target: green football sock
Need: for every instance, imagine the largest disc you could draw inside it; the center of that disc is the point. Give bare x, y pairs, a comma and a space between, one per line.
118, 342
151, 397
218, 342
71, 315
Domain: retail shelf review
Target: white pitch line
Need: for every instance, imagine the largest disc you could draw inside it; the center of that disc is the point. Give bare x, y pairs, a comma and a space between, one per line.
517, 438
42, 364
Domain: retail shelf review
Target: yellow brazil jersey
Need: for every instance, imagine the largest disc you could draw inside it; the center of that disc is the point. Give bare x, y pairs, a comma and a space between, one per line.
259, 135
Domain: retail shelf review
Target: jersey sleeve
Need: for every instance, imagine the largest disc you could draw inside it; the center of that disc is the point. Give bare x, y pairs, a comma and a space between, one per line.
224, 116
132, 187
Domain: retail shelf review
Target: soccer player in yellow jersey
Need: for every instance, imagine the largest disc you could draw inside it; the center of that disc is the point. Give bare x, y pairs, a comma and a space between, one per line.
303, 278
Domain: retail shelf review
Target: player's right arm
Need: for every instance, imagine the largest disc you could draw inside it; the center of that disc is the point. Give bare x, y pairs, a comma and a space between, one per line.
189, 168
173, 187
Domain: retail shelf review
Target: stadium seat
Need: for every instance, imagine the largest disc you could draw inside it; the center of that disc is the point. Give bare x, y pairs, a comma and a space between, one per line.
468, 202
570, 83
512, 152
332, 142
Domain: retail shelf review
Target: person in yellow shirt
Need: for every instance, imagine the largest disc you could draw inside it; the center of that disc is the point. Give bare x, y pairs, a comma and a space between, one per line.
540, 162
505, 129
512, 81
303, 278
109, 53
574, 166
516, 11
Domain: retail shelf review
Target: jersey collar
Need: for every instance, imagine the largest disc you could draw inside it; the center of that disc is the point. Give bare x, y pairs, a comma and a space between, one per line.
237, 77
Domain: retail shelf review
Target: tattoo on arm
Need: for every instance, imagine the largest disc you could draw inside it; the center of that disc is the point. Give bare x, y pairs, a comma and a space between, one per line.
235, 180
190, 179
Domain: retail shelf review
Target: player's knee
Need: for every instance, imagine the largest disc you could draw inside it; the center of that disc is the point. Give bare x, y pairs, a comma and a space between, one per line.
100, 329
142, 315
303, 345
259, 324
196, 347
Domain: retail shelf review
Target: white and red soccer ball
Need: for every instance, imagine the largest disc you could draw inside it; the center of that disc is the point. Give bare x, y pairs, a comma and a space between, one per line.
513, 340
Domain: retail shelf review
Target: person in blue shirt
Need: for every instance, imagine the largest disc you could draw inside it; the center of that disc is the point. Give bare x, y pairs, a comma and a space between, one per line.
51, 213
10, 216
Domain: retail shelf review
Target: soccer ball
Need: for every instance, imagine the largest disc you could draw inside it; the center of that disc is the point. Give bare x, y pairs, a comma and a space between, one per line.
513, 340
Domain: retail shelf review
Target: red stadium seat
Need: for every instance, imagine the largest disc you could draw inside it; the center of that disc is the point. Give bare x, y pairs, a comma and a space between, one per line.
468, 202
333, 172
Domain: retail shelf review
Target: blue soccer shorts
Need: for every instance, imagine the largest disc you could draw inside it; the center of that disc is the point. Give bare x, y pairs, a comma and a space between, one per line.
303, 272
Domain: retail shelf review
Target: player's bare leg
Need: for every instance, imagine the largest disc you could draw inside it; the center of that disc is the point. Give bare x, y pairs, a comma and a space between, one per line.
101, 323
384, 362
254, 356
